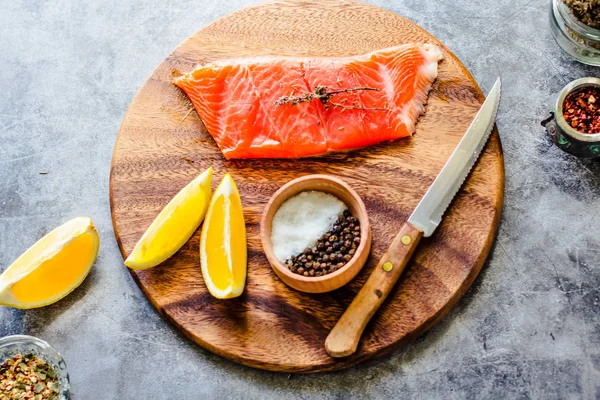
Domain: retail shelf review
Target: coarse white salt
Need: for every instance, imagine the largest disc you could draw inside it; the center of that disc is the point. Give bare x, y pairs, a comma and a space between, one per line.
301, 220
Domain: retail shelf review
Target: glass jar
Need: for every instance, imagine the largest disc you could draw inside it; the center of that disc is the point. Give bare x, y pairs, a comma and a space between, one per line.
23, 344
580, 41
564, 136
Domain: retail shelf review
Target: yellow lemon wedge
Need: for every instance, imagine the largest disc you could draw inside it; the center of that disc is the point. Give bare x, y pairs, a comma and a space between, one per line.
223, 253
53, 267
174, 225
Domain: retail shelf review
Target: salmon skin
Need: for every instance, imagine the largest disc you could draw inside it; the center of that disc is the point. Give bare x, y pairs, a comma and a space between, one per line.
242, 101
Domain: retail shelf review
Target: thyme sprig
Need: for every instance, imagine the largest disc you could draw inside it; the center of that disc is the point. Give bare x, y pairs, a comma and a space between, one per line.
324, 95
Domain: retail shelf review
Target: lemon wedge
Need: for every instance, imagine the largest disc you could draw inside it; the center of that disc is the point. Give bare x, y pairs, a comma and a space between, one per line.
223, 253
174, 225
53, 267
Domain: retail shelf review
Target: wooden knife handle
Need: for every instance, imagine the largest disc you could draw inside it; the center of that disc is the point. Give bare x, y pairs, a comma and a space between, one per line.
343, 338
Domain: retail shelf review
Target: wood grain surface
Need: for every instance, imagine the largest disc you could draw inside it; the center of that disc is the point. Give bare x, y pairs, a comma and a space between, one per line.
162, 146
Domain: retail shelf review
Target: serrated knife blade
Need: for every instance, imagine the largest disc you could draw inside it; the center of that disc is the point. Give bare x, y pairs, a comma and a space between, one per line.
345, 335
428, 214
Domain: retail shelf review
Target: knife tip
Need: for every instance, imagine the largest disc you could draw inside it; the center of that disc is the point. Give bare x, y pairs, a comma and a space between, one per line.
498, 83
496, 89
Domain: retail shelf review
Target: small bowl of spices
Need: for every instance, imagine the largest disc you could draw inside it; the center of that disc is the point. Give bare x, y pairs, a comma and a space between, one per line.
31, 369
574, 122
315, 233
575, 25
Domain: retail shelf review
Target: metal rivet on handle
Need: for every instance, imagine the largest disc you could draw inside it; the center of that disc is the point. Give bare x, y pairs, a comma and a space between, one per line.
406, 239
387, 266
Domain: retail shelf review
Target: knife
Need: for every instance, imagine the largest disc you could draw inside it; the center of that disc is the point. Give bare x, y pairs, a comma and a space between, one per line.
343, 338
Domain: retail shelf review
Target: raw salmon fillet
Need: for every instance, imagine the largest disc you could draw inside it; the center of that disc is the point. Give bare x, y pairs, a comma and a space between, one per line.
237, 101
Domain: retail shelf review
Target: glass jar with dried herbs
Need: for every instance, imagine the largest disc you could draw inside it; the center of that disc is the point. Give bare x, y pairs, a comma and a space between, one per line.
31, 369
575, 25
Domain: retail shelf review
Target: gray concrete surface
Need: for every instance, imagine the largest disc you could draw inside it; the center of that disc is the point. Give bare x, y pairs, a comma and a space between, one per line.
528, 328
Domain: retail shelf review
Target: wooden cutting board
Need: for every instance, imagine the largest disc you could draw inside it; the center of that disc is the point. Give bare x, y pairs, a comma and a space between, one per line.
163, 144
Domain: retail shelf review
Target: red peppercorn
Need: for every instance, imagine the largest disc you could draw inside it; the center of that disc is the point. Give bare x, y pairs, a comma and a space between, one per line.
581, 110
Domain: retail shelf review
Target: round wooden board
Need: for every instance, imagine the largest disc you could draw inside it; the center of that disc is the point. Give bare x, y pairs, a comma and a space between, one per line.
162, 146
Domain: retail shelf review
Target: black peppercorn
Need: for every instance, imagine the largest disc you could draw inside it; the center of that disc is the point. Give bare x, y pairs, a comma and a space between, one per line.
331, 251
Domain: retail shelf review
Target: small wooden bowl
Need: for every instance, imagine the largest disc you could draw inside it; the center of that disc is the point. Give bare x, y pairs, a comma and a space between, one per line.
345, 193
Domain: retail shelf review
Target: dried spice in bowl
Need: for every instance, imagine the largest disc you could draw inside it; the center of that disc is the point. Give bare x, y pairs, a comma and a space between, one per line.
314, 234
581, 110
332, 251
573, 121
27, 377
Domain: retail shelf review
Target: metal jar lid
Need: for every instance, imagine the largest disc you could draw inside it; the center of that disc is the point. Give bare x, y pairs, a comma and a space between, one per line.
564, 136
